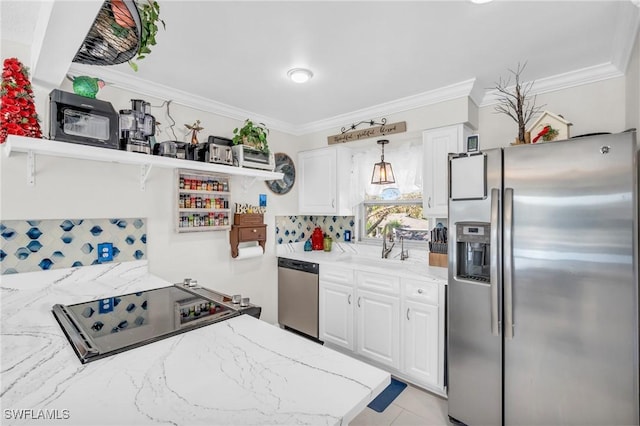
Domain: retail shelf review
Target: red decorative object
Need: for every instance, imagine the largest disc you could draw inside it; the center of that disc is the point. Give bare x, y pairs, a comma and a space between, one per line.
548, 133
317, 239
17, 112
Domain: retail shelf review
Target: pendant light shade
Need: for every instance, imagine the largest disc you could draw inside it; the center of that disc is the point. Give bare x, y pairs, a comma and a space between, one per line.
382, 171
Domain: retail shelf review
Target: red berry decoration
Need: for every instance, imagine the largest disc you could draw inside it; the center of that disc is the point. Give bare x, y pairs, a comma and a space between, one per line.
17, 111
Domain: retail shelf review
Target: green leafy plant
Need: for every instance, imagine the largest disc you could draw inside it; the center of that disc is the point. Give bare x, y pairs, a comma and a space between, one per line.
253, 135
149, 17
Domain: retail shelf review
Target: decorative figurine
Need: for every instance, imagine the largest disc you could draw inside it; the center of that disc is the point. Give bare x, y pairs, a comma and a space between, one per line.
86, 86
195, 128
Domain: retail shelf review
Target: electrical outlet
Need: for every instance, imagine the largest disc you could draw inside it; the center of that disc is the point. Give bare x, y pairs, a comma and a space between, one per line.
105, 252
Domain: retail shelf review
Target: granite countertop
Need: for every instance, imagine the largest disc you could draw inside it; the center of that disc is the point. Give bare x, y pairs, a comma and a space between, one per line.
239, 371
364, 257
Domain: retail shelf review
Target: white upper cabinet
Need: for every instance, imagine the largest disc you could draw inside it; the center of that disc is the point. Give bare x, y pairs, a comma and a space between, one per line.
324, 179
438, 143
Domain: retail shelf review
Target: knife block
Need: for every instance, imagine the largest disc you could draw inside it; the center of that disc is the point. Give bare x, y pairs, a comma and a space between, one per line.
438, 259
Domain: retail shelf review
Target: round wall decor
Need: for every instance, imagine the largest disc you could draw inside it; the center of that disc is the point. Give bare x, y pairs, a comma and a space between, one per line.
284, 164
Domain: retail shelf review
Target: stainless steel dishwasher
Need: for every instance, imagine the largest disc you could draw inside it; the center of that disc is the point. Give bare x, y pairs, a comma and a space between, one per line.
298, 296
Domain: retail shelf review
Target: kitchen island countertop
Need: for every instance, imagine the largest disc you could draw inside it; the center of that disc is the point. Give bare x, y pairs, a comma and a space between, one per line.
239, 371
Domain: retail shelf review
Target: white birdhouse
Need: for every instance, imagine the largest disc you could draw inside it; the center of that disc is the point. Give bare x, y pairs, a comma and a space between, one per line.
549, 127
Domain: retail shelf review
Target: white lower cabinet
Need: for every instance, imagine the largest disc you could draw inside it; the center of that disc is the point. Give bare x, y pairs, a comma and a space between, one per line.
378, 327
336, 314
423, 332
421, 341
397, 323
336, 301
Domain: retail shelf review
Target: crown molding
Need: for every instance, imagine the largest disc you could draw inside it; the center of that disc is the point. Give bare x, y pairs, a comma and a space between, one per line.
135, 84
563, 81
626, 34
465, 88
431, 97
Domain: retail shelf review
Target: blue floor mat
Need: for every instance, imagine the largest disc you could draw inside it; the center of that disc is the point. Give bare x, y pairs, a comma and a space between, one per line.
387, 396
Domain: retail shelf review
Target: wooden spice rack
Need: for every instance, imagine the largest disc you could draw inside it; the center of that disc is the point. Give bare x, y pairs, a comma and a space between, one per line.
247, 227
202, 201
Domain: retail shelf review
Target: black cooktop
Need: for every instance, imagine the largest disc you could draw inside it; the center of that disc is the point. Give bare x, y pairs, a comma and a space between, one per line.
104, 327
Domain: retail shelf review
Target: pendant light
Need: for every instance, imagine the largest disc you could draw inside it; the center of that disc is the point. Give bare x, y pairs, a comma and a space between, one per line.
382, 171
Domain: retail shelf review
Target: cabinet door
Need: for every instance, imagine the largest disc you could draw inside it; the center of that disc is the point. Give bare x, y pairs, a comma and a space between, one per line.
437, 144
378, 327
421, 340
336, 314
317, 192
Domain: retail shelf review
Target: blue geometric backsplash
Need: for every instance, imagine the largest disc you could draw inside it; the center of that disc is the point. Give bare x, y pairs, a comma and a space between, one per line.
36, 245
294, 229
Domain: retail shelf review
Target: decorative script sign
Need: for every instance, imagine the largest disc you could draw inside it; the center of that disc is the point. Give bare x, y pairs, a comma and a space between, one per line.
371, 132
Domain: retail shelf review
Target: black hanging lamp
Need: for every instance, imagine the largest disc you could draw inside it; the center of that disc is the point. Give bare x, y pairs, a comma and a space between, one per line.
382, 171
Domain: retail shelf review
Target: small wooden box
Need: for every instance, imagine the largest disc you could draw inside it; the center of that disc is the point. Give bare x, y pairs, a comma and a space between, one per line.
438, 259
248, 219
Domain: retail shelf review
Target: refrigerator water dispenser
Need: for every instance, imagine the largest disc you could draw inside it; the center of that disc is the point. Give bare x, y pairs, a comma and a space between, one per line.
473, 248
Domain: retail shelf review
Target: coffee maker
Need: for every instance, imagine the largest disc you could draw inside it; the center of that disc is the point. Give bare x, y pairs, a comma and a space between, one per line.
137, 127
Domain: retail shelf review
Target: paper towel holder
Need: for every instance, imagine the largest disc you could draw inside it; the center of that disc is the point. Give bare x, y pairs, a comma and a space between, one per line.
247, 227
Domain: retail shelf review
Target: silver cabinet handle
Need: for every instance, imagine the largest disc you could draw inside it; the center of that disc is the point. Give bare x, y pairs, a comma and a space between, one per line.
349, 299
429, 202
408, 309
420, 291
359, 301
508, 263
333, 203
494, 272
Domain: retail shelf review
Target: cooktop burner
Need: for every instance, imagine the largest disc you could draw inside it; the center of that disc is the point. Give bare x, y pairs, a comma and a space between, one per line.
104, 327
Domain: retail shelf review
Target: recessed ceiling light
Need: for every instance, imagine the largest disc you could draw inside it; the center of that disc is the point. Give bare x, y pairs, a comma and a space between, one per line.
300, 75
480, 1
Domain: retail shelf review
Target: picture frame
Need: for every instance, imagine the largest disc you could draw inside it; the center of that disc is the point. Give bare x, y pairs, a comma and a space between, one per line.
473, 143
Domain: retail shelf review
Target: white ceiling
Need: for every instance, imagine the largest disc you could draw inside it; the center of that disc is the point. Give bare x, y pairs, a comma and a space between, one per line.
232, 57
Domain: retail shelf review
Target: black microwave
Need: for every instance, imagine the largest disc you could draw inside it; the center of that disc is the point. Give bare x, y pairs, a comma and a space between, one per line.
78, 119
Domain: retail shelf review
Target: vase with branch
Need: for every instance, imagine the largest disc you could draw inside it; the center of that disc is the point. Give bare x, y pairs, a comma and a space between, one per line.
516, 102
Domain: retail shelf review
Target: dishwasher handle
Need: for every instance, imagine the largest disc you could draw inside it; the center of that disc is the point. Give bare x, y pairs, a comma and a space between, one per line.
298, 265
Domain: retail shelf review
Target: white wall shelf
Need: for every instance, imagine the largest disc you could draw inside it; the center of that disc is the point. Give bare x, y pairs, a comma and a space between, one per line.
33, 147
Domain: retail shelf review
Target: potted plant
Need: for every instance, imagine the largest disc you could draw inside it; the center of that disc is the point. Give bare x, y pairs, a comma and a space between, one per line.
253, 135
149, 17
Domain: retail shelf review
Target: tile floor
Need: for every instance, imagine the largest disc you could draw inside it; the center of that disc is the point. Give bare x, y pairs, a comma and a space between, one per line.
412, 407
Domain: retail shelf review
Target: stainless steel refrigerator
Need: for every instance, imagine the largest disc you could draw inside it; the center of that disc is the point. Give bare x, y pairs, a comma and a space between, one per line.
543, 284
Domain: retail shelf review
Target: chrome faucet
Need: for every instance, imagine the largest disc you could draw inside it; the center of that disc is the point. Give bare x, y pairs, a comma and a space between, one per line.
403, 254
385, 250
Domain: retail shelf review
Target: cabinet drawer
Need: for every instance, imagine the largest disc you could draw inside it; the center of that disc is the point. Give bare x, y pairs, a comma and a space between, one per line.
336, 275
379, 282
421, 291
252, 233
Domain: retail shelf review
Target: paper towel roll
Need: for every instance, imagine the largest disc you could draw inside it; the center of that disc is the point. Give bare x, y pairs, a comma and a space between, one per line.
249, 252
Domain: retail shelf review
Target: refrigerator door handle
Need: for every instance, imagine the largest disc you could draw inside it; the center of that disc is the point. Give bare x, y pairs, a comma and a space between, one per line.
496, 266
508, 263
